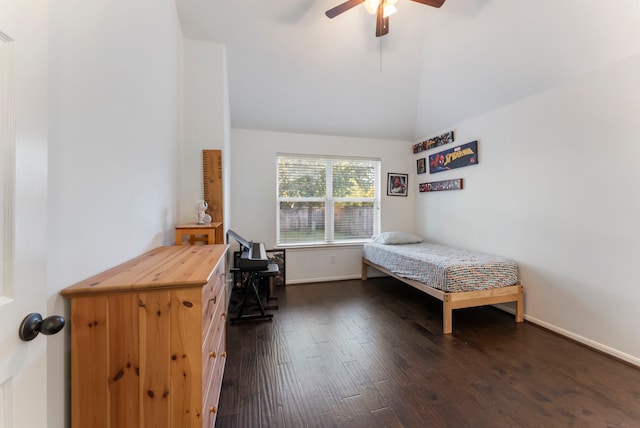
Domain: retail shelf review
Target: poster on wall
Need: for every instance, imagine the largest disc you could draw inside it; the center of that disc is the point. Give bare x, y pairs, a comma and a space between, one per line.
440, 140
458, 157
397, 184
438, 186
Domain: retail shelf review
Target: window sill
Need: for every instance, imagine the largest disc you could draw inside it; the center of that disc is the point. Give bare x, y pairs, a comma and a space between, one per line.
321, 245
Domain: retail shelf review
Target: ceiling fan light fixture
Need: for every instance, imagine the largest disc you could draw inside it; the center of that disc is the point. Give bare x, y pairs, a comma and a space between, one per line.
383, 9
388, 9
371, 6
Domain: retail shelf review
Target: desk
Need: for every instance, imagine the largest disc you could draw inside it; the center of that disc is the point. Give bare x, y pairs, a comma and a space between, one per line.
196, 232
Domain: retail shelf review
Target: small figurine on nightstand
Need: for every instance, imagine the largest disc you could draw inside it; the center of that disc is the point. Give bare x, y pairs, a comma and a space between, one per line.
201, 207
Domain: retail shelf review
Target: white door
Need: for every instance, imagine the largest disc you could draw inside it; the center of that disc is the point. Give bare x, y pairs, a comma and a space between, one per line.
23, 190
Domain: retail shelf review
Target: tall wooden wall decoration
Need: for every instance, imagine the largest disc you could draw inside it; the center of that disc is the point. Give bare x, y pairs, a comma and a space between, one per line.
212, 174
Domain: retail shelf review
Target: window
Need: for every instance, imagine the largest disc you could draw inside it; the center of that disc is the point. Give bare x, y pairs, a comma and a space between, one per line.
327, 199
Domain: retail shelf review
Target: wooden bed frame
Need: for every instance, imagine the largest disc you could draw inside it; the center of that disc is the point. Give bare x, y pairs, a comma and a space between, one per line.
461, 299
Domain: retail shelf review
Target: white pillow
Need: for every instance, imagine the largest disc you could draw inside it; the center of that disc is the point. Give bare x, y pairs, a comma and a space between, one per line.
395, 238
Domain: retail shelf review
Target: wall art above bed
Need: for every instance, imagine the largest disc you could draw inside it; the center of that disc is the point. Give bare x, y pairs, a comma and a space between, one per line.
440, 140
458, 157
437, 186
397, 184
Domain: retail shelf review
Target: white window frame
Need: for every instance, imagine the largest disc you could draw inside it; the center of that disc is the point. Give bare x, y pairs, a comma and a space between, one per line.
330, 201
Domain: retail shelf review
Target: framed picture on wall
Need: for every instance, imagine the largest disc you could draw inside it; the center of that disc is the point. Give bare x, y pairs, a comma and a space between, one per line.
438, 186
458, 157
440, 140
421, 165
397, 184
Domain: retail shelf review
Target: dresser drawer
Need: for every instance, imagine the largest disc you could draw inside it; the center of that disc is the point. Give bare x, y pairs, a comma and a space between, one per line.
212, 300
213, 362
216, 279
214, 341
211, 392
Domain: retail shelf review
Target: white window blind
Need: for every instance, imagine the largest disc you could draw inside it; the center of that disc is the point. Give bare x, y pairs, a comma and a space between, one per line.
327, 199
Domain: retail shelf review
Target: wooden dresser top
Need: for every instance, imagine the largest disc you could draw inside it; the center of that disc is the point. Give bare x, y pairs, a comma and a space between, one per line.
162, 267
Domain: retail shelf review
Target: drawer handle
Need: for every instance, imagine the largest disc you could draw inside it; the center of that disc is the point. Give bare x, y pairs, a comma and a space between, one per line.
213, 409
212, 354
224, 354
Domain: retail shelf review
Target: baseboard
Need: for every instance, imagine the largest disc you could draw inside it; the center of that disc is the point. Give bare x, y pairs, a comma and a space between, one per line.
577, 338
325, 279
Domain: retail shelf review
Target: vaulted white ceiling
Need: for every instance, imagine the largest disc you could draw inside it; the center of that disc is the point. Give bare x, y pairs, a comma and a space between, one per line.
292, 69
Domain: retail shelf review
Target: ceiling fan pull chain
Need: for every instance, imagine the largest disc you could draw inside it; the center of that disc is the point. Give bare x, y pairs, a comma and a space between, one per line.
380, 38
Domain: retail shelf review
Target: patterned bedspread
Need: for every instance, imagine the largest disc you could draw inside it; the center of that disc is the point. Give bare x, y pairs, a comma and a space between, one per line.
444, 268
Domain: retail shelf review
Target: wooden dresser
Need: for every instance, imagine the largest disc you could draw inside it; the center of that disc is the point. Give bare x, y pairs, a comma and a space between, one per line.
148, 340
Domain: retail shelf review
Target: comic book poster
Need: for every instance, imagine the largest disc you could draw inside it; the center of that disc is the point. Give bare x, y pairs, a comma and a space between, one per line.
440, 140
397, 184
458, 157
437, 186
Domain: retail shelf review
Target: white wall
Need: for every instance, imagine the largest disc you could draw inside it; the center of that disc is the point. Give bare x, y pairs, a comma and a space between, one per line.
206, 121
500, 51
253, 189
556, 189
114, 139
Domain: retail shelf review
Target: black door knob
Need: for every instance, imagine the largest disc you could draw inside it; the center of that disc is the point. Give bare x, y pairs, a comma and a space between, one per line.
33, 324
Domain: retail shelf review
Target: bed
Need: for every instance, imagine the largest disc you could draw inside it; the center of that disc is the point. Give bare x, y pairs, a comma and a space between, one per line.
459, 278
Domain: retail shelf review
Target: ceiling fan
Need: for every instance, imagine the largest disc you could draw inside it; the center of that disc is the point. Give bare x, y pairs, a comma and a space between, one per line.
382, 8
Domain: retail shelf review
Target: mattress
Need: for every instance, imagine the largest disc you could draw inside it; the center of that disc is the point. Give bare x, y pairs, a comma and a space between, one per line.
447, 269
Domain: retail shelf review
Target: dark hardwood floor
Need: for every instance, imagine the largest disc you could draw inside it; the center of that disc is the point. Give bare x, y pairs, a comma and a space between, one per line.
372, 354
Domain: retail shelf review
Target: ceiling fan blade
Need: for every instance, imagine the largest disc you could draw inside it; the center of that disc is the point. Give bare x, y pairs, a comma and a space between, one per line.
332, 13
434, 3
382, 23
